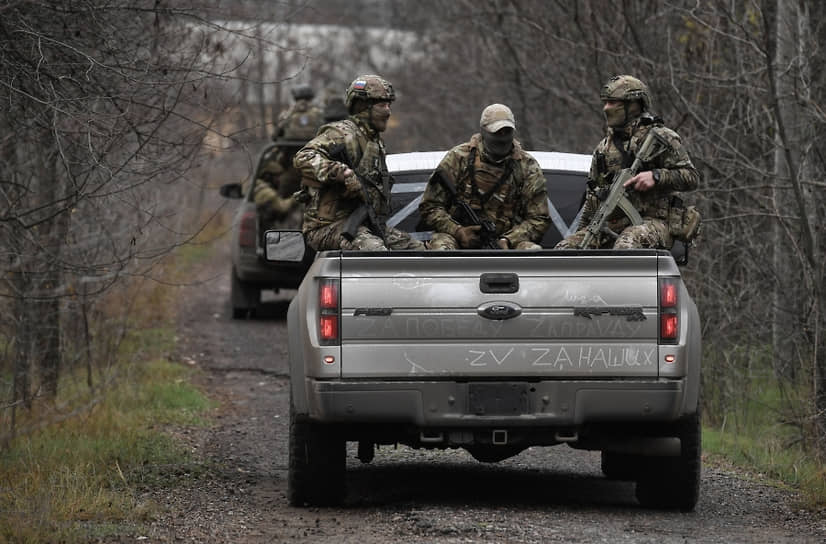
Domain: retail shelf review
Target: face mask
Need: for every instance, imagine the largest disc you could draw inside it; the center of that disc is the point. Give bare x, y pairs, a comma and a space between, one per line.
498, 145
615, 115
619, 114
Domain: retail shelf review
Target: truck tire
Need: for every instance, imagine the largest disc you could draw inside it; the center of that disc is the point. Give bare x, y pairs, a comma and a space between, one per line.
317, 465
674, 482
243, 297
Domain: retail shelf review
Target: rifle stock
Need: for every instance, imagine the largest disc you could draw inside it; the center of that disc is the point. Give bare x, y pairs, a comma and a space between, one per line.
356, 219
652, 146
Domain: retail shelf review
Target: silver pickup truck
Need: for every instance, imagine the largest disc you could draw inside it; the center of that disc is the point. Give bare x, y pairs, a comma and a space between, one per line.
494, 352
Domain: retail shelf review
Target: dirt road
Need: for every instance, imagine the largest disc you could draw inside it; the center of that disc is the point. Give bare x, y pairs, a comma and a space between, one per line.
542, 495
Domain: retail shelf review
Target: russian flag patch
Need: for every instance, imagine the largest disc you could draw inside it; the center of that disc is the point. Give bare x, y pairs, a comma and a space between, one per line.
360, 84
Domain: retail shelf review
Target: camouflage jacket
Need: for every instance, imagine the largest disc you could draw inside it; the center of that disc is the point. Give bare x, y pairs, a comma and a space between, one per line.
311, 112
676, 171
341, 144
518, 206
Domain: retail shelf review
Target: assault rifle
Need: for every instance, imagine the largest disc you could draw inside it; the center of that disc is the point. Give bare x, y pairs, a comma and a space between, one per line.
365, 211
653, 145
466, 216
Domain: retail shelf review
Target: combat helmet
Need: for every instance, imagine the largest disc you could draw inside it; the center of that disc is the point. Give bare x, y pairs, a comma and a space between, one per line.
302, 91
368, 87
626, 88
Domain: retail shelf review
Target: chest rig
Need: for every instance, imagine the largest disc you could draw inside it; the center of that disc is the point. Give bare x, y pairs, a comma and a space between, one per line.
486, 183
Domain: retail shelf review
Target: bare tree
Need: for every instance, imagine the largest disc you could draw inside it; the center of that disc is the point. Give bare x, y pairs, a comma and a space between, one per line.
101, 123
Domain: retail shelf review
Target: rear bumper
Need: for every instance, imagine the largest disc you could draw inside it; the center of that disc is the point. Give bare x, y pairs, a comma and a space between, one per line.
448, 404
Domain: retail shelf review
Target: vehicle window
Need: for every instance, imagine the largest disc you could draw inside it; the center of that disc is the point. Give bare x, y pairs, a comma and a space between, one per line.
565, 191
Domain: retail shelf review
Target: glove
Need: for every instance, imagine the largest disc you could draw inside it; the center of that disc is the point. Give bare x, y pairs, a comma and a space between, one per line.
352, 186
468, 237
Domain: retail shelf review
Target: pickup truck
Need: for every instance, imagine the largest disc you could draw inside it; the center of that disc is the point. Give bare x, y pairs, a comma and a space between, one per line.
494, 351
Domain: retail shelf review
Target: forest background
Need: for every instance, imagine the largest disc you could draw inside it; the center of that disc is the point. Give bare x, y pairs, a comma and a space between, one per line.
113, 111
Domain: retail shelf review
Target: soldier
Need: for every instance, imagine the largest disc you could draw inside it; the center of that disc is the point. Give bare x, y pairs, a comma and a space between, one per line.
303, 111
334, 108
278, 178
345, 171
275, 206
501, 182
626, 106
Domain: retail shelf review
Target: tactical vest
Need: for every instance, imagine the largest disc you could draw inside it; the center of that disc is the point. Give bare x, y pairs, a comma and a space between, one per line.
489, 189
371, 167
612, 155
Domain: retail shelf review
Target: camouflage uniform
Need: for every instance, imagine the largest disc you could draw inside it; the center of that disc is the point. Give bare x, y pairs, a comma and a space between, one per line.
518, 206
278, 178
352, 143
673, 171
302, 117
277, 181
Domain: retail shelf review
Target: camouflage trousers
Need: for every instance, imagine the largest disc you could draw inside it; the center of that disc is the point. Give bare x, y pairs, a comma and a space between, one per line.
651, 233
329, 237
442, 240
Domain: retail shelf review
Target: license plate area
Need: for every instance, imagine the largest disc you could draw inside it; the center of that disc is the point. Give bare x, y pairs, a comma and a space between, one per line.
497, 399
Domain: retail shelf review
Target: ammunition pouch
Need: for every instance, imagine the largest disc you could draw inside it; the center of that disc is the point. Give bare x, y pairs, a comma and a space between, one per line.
683, 221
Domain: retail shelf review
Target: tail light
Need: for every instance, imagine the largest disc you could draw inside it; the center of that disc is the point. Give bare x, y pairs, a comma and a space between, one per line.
669, 310
246, 231
328, 305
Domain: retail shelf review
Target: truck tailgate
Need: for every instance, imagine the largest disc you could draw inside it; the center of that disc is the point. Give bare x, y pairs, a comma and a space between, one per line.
483, 315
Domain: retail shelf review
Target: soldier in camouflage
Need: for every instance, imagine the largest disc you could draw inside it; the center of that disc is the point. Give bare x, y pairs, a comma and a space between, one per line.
498, 179
303, 95
626, 106
344, 168
278, 179
273, 190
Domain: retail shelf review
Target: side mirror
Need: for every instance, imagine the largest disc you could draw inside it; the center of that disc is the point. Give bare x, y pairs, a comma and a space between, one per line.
231, 190
284, 246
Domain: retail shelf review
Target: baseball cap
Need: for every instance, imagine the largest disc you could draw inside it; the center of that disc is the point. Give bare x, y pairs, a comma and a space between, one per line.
497, 116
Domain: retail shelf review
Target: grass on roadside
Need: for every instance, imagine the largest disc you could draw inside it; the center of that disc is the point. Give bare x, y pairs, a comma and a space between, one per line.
762, 431
761, 455
83, 476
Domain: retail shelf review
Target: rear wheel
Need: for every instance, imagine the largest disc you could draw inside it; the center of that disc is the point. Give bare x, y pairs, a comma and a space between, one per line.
674, 482
317, 466
244, 297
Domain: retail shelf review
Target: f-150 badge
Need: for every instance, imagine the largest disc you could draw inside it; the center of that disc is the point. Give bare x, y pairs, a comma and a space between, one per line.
499, 311
631, 313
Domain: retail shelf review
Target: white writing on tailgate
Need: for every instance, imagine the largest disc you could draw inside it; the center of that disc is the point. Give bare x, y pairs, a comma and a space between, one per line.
560, 358
477, 356
577, 299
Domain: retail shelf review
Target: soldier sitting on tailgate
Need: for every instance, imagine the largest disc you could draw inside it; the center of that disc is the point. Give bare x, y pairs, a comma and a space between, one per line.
627, 106
345, 174
495, 178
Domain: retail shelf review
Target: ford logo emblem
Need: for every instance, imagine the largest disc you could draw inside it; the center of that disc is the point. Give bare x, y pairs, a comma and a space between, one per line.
499, 310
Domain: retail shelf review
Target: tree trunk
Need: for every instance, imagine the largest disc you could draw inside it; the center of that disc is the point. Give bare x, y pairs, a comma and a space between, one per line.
785, 299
